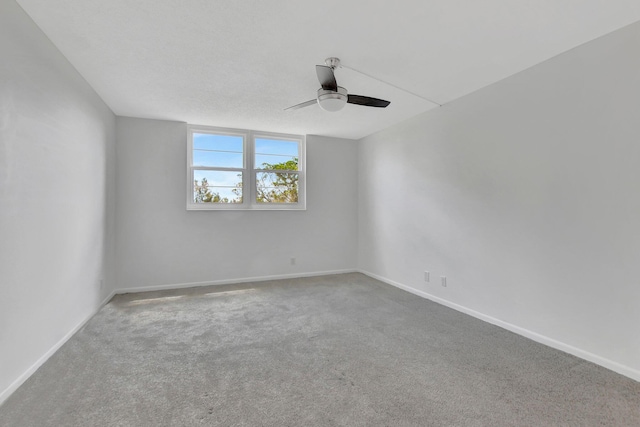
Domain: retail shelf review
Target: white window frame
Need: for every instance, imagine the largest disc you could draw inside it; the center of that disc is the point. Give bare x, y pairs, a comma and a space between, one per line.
249, 170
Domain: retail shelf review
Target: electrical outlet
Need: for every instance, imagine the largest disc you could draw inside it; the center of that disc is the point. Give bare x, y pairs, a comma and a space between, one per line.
426, 276
443, 281
293, 261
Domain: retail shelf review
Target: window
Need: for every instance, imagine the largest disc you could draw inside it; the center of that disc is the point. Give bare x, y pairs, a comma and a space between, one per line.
236, 169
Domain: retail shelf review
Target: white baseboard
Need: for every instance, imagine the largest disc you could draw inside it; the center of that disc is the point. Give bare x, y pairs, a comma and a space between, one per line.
558, 345
230, 281
609, 364
25, 375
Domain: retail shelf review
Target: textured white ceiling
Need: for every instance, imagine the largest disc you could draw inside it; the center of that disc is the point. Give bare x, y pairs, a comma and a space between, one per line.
240, 63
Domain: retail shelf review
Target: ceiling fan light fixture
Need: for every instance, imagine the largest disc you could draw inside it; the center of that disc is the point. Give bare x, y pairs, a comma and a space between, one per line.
332, 101
332, 97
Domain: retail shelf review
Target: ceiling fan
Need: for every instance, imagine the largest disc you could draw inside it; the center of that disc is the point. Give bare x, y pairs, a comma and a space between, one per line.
332, 97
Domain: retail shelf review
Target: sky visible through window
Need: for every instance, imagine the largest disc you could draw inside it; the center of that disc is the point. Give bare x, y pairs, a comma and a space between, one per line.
222, 151
273, 151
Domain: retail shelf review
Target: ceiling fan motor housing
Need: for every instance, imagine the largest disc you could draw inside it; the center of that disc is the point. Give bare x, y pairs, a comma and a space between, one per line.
332, 101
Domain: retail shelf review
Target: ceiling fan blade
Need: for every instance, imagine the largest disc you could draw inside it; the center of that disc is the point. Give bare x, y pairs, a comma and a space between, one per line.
326, 77
302, 105
367, 101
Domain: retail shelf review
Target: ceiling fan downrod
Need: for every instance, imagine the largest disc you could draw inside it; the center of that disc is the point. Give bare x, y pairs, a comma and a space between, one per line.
332, 62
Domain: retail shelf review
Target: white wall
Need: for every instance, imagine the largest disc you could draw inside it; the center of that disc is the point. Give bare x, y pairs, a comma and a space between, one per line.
160, 243
526, 196
57, 153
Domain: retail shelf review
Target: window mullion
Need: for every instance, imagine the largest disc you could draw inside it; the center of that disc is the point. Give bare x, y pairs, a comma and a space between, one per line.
251, 180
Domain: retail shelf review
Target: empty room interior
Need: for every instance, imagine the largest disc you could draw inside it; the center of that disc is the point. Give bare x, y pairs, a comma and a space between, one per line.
293, 213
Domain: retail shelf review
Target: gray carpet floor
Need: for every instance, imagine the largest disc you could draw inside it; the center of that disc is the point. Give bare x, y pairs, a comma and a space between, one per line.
342, 350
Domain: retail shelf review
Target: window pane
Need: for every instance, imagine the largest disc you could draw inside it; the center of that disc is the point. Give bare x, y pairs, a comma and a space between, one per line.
276, 154
271, 162
217, 159
217, 187
208, 141
217, 150
276, 187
